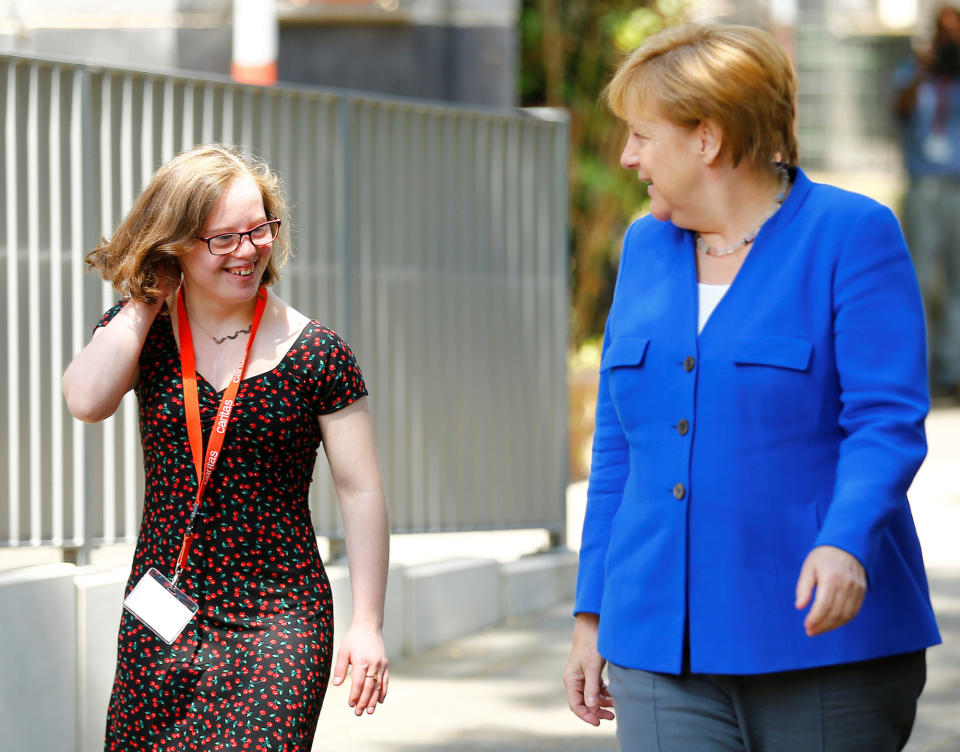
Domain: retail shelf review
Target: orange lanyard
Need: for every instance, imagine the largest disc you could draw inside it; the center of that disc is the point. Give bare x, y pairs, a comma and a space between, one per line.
191, 405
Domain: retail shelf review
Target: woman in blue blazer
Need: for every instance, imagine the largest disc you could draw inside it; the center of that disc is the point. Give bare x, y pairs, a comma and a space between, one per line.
749, 568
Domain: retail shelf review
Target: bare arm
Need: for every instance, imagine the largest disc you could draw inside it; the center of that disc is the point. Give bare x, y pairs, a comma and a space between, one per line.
106, 369
349, 443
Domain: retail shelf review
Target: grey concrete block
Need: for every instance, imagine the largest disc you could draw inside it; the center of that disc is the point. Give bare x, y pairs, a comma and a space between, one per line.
99, 607
448, 599
535, 583
38, 678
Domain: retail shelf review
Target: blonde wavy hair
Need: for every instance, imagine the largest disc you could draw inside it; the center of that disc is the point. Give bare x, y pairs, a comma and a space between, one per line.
737, 76
167, 218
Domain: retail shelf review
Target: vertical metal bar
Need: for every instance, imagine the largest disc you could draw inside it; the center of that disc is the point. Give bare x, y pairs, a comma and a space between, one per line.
343, 200
34, 325
281, 111
528, 239
411, 179
404, 441
548, 396
265, 99
126, 143
377, 269
561, 285
246, 119
147, 164
108, 465
167, 125
453, 428
208, 117
486, 293
129, 409
435, 481
500, 316
310, 243
187, 138
79, 182
513, 226
227, 123
13, 307
56, 425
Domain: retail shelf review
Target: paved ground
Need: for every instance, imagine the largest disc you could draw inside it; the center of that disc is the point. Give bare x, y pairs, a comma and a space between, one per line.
500, 690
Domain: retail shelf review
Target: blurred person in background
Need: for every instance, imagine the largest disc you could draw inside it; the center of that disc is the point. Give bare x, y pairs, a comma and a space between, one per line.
927, 104
211, 353
749, 571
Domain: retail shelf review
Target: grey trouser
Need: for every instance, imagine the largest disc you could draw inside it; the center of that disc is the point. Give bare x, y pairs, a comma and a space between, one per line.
853, 707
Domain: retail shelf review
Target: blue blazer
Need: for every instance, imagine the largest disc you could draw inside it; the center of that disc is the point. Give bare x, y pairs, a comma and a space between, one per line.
795, 419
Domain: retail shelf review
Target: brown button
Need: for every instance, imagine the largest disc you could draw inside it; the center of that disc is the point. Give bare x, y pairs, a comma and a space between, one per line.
679, 491
683, 427
688, 363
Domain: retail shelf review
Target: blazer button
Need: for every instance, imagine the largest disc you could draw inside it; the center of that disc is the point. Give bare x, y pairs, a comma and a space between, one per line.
682, 427
688, 363
679, 491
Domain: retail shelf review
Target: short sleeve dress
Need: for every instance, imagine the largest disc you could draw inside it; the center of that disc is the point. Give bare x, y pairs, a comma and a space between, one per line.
250, 670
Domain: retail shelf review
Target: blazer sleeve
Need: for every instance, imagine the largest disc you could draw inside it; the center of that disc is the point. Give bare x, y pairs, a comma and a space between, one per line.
881, 365
608, 473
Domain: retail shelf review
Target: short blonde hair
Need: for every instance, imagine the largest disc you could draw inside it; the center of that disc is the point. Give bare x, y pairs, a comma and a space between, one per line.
737, 76
169, 215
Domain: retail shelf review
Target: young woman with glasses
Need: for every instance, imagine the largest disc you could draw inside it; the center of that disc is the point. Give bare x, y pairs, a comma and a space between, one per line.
230, 437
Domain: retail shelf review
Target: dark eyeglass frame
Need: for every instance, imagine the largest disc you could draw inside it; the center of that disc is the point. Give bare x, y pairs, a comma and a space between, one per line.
249, 233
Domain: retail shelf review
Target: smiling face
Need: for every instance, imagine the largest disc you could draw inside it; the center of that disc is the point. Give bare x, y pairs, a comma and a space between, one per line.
668, 157
234, 277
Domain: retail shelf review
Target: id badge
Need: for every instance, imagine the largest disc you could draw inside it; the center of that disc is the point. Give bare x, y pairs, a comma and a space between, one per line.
163, 608
937, 148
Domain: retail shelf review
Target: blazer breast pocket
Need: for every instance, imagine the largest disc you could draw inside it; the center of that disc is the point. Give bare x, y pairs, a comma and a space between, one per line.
622, 365
624, 352
778, 351
773, 377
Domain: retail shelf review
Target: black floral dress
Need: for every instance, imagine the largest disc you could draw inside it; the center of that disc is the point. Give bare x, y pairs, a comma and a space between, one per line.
250, 670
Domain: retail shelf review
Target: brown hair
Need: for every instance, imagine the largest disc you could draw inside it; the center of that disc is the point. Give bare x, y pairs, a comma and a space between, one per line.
170, 213
737, 76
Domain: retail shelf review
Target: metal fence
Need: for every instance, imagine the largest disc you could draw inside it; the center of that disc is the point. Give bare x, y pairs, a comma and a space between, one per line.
433, 238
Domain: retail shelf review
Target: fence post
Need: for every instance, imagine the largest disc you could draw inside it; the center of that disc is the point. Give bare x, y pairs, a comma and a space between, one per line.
344, 199
80, 554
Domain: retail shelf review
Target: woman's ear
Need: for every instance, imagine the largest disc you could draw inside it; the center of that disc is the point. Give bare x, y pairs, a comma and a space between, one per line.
709, 140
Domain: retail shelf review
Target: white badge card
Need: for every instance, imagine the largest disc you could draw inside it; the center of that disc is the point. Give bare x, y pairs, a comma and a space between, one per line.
163, 608
937, 148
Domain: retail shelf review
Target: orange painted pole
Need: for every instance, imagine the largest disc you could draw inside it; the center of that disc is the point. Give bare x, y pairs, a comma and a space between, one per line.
255, 35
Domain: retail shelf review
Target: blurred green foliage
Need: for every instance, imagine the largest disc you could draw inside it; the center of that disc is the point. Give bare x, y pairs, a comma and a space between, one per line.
569, 49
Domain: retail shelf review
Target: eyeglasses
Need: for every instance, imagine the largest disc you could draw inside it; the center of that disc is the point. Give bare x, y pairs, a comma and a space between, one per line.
227, 242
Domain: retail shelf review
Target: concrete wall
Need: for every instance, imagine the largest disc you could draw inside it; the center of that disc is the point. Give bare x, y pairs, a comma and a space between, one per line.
38, 659
99, 606
59, 626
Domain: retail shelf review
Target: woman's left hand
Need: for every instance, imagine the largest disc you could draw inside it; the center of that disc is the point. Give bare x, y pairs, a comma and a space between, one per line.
362, 648
841, 584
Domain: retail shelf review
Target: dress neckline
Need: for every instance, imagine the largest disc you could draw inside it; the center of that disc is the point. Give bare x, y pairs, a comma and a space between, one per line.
247, 377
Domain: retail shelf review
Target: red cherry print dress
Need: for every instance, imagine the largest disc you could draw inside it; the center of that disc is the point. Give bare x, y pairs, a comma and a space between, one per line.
250, 670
